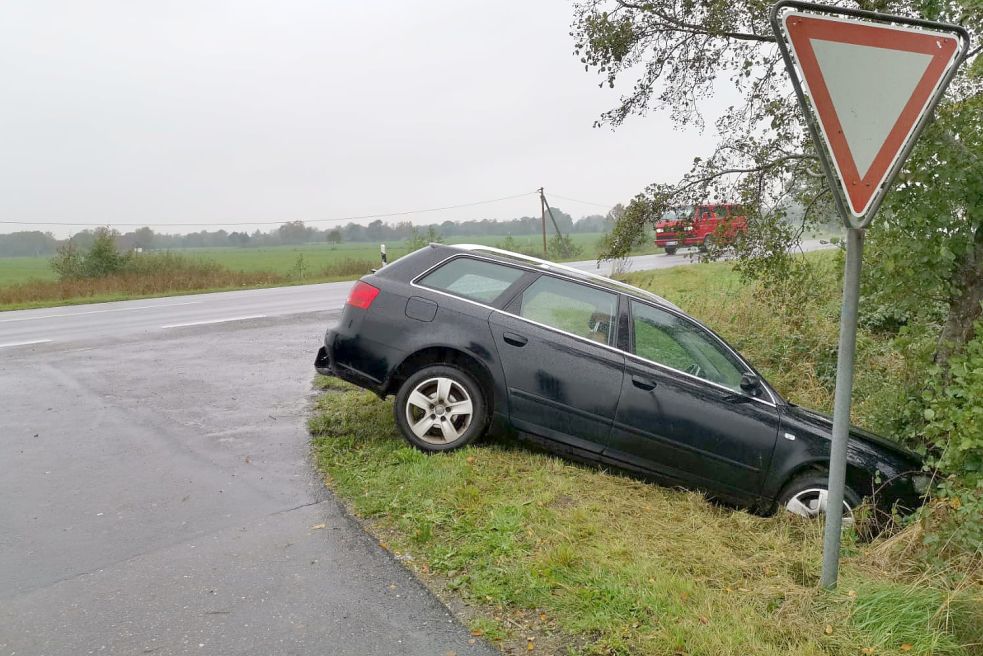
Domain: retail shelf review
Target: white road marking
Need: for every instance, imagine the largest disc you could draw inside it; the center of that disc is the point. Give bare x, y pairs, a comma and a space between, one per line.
210, 321
79, 314
33, 341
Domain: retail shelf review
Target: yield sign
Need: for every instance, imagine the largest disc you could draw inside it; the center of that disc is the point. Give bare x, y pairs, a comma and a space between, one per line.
870, 84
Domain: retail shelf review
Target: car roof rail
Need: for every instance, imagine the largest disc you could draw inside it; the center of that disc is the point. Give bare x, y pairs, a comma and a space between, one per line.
546, 264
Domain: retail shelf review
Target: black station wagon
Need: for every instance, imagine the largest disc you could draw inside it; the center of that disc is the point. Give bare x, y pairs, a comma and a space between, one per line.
472, 339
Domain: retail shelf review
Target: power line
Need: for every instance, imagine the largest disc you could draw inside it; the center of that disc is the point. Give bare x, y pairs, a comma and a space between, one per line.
272, 222
583, 202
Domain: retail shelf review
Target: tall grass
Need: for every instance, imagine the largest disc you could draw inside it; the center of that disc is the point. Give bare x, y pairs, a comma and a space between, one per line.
145, 275
155, 274
348, 267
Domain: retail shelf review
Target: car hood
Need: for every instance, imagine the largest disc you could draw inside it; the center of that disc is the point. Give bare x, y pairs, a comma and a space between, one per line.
825, 423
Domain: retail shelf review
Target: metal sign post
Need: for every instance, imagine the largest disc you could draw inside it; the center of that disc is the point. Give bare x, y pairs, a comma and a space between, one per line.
867, 84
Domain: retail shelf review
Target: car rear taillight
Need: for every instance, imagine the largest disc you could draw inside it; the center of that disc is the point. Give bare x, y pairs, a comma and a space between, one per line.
362, 295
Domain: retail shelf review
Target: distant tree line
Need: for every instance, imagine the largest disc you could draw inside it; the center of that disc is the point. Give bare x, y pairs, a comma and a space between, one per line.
37, 243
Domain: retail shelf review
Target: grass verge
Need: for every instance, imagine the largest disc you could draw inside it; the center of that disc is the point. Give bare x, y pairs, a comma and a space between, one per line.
541, 555
178, 275
538, 554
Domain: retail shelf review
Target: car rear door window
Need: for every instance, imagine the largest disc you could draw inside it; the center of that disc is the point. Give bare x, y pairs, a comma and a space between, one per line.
574, 308
473, 279
666, 339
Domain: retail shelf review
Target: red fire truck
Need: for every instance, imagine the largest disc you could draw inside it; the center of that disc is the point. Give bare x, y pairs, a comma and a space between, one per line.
700, 226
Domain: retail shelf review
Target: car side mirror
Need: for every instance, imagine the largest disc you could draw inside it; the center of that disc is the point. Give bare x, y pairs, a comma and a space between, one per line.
750, 383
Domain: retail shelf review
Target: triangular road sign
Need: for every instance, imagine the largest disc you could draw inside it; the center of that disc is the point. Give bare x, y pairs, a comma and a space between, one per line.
869, 83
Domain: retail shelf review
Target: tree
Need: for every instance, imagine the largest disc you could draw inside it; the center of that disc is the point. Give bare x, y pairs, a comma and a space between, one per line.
375, 231
239, 238
103, 257
434, 236
416, 240
27, 244
67, 263
293, 232
143, 238
681, 51
334, 237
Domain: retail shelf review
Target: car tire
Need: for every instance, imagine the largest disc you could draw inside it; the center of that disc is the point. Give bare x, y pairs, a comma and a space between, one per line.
440, 408
805, 496
707, 244
670, 250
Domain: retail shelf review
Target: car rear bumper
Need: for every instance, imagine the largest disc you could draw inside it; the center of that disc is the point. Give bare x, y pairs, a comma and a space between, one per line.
323, 361
326, 364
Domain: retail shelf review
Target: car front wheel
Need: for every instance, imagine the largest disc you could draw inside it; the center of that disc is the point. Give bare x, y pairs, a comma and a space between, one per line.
440, 408
807, 495
670, 250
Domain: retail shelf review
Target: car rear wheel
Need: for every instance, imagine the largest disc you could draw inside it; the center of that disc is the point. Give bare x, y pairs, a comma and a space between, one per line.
806, 496
440, 408
670, 250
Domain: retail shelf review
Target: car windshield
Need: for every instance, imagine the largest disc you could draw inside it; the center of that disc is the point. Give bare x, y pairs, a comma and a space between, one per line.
678, 213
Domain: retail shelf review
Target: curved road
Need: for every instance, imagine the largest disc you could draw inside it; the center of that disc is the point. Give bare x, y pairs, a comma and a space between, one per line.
157, 492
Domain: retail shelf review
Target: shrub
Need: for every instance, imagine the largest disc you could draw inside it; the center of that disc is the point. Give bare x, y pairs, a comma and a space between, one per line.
418, 240
347, 267
942, 417
562, 247
67, 263
102, 259
510, 244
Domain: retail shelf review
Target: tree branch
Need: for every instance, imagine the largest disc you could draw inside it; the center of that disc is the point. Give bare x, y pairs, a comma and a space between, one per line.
754, 169
677, 25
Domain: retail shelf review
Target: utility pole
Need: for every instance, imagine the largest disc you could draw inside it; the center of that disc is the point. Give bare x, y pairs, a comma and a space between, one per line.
545, 208
542, 210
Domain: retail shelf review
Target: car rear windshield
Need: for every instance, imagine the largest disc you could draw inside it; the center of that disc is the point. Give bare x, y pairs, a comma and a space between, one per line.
473, 279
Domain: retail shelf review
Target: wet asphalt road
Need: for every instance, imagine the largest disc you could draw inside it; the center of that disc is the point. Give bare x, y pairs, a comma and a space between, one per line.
158, 497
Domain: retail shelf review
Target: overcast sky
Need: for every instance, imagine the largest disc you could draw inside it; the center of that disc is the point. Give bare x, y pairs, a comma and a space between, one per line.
215, 111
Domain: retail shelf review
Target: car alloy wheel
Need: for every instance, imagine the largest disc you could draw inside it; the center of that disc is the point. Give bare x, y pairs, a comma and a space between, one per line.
439, 410
811, 503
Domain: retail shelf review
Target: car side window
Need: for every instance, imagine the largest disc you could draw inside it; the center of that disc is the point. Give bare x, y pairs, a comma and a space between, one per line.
666, 339
574, 308
474, 279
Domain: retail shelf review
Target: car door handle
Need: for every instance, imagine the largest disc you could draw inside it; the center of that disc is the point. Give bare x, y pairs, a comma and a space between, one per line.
643, 383
515, 339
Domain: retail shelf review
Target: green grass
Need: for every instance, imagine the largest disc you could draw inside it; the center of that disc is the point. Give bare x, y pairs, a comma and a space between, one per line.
528, 545
284, 260
30, 282
597, 563
21, 269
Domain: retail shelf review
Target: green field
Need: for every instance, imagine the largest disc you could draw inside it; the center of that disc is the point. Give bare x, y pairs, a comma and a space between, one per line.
21, 269
285, 259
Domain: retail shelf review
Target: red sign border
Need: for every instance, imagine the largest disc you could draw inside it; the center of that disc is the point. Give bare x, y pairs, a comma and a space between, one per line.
943, 48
